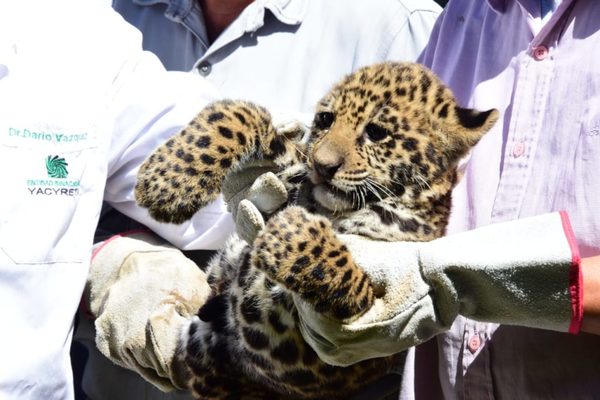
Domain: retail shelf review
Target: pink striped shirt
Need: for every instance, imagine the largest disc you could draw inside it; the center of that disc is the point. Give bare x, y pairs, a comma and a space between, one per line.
542, 156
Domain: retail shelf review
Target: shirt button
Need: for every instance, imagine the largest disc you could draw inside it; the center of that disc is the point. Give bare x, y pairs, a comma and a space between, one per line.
204, 68
540, 52
474, 343
518, 149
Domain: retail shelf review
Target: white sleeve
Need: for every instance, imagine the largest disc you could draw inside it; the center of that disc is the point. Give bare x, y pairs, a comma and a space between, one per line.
149, 105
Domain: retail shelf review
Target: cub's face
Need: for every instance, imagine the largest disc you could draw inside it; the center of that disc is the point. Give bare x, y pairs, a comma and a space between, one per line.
386, 129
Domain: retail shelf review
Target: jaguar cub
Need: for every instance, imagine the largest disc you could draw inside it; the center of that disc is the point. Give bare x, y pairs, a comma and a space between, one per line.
380, 161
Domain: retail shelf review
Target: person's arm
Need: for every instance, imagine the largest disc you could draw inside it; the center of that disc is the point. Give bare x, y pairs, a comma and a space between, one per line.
525, 272
151, 106
148, 106
590, 268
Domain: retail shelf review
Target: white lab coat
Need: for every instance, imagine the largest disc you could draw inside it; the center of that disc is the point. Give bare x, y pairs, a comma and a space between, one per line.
80, 108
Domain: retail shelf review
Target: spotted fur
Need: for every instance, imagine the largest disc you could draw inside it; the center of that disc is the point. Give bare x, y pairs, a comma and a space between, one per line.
380, 161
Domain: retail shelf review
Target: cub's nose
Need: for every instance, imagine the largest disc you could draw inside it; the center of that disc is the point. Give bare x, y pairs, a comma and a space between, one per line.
327, 171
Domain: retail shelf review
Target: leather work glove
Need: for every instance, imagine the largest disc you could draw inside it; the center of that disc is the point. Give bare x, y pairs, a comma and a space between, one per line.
256, 182
141, 292
524, 272
250, 192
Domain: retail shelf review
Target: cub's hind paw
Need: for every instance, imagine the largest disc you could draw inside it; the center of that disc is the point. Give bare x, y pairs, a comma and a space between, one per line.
300, 251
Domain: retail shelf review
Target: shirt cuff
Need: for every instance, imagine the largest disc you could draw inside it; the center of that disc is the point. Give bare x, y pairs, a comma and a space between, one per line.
575, 277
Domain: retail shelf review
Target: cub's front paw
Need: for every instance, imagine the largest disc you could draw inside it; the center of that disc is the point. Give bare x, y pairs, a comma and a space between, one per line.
186, 173
301, 251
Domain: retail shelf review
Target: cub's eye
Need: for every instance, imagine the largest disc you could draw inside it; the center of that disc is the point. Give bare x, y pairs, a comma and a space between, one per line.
324, 120
376, 132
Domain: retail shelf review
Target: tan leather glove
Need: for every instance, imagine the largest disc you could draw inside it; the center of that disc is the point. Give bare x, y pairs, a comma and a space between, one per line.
256, 182
141, 292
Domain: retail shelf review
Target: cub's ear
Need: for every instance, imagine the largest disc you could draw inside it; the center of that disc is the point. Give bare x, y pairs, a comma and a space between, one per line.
472, 119
470, 126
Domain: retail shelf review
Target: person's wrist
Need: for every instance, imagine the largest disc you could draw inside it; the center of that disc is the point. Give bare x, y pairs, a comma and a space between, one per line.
590, 267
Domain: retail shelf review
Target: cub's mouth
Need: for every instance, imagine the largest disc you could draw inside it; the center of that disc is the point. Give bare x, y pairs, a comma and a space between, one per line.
328, 195
333, 198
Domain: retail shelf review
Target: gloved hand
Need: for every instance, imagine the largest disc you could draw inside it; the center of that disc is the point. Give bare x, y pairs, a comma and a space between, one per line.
141, 292
253, 189
523, 272
254, 184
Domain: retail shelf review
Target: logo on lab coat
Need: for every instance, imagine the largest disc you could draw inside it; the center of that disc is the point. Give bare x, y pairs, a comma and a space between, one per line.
56, 167
57, 182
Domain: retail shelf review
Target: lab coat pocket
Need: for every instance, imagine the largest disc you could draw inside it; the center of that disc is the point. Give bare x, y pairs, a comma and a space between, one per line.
50, 201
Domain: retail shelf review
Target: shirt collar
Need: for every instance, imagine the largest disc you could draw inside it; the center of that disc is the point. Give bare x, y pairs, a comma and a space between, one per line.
290, 12
176, 9
498, 5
